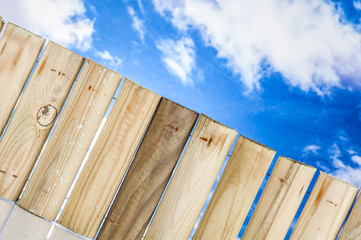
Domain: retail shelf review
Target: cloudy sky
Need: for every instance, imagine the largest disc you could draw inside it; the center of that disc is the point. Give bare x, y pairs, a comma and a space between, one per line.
284, 73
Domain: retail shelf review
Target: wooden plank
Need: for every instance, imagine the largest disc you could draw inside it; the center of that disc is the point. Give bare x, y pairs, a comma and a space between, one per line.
34, 117
62, 234
149, 173
5, 211
19, 50
1, 24
352, 229
70, 140
280, 200
192, 180
25, 225
235, 191
109, 159
325, 210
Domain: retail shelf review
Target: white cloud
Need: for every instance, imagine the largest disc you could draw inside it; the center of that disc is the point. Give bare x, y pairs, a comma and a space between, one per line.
311, 148
304, 40
357, 5
62, 21
137, 24
179, 58
111, 61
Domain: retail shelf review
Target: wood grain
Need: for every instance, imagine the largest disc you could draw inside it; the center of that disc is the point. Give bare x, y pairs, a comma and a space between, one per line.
352, 229
325, 210
149, 173
62, 234
5, 211
70, 140
192, 180
280, 200
109, 159
24, 225
235, 191
19, 50
34, 116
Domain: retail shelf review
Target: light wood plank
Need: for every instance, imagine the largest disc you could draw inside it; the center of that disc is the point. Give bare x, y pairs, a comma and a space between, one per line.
62, 234
34, 116
192, 180
23, 225
235, 191
149, 173
70, 140
280, 200
325, 210
109, 159
352, 229
5, 210
19, 50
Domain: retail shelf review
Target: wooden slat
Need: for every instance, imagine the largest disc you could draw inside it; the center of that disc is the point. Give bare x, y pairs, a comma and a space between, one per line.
5, 210
109, 159
149, 172
192, 180
35, 115
24, 225
352, 229
280, 200
235, 191
19, 50
70, 140
62, 234
325, 210
1, 24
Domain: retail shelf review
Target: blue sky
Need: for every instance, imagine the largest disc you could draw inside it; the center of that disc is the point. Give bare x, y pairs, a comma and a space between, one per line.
284, 73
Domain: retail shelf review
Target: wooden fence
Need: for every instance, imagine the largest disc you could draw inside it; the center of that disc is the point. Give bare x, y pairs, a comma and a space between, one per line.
152, 165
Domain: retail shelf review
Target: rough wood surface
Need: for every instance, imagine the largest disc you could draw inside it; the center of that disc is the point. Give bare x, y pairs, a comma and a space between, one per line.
26, 226
235, 191
59, 233
192, 180
325, 210
149, 173
70, 140
280, 200
34, 116
109, 159
5, 210
19, 50
352, 229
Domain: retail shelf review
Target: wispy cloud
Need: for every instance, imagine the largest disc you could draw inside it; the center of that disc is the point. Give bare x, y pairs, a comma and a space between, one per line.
137, 23
179, 58
108, 59
303, 40
63, 21
311, 149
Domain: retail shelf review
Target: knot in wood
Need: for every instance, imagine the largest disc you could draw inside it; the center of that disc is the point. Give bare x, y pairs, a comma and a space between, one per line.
46, 115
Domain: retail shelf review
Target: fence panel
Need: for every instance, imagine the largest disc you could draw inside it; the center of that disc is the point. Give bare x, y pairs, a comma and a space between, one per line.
109, 159
193, 179
149, 173
34, 116
18, 54
325, 210
280, 200
70, 140
5, 211
352, 229
235, 191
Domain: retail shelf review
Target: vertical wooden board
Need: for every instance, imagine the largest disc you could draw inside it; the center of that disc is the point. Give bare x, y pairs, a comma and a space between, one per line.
280, 200
192, 180
5, 210
59, 233
19, 50
34, 116
325, 210
235, 191
1, 24
352, 229
149, 173
24, 225
109, 159
70, 140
